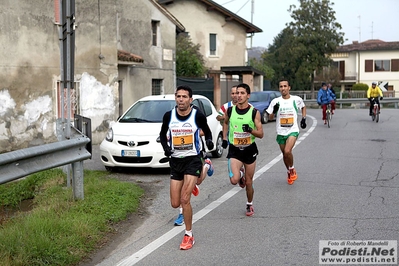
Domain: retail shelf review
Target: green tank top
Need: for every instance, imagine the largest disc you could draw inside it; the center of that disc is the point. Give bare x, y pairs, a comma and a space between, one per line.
237, 136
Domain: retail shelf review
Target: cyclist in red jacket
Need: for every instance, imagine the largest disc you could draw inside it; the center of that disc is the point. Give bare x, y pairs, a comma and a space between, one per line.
324, 97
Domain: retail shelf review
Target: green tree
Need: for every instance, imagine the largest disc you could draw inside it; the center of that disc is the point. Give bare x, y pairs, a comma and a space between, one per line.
316, 35
189, 60
262, 66
284, 57
300, 49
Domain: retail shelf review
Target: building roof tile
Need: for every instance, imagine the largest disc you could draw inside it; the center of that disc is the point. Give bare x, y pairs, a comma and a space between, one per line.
129, 57
369, 45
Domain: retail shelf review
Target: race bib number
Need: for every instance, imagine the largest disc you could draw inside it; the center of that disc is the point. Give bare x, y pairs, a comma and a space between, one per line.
286, 121
183, 142
242, 139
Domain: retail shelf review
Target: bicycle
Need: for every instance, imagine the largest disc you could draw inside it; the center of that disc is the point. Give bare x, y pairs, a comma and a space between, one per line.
375, 115
328, 114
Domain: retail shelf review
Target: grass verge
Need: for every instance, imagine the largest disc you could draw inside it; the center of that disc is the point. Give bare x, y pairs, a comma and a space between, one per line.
59, 230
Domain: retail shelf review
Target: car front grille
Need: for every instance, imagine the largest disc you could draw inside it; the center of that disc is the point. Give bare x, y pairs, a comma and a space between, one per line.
120, 159
140, 143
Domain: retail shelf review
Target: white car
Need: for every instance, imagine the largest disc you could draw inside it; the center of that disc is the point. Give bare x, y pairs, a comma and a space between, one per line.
133, 140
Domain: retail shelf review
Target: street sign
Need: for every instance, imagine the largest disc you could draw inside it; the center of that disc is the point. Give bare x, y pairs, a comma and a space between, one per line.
383, 85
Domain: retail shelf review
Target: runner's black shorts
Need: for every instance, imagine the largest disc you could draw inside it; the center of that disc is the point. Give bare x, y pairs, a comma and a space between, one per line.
247, 155
190, 165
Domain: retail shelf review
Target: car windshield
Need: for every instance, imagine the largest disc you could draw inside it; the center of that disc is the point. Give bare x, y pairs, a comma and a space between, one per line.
259, 97
147, 111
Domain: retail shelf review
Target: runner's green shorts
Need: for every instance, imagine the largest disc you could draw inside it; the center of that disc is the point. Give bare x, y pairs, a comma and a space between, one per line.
283, 139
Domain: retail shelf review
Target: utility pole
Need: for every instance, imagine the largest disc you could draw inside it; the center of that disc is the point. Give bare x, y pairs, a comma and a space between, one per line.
360, 31
372, 30
67, 50
252, 17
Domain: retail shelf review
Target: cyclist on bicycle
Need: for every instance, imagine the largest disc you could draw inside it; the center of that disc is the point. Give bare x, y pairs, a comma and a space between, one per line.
330, 88
373, 92
324, 97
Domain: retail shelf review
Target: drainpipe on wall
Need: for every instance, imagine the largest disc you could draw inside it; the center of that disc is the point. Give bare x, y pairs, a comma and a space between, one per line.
358, 67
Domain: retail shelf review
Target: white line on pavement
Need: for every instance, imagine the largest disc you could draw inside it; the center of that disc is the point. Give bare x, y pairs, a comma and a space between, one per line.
142, 253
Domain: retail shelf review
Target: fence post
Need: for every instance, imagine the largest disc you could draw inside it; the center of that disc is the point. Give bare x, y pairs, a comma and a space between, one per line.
340, 97
67, 170
77, 180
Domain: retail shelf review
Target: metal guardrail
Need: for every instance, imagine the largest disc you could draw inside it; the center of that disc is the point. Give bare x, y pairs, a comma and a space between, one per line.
20, 163
343, 94
70, 152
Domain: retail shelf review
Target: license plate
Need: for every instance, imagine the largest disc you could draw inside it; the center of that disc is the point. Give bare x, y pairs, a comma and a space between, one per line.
130, 153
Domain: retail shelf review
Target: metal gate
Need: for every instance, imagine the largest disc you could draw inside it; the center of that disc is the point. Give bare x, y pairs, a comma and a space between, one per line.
225, 88
202, 86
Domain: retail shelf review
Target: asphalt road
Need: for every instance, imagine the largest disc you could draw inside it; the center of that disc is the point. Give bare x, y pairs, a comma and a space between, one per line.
347, 189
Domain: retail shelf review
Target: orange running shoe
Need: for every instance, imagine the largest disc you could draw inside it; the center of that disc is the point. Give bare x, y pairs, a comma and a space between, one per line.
288, 179
195, 190
187, 243
292, 176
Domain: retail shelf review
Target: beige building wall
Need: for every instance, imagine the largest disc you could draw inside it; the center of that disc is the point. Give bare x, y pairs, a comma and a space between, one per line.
355, 66
392, 77
199, 23
30, 70
135, 35
30, 65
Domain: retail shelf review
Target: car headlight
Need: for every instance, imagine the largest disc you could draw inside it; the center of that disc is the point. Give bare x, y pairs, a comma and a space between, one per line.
110, 135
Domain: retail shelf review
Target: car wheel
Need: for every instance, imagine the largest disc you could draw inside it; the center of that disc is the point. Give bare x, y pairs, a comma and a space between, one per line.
218, 152
265, 117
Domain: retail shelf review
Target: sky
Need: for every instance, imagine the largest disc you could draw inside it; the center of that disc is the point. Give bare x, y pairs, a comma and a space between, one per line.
361, 20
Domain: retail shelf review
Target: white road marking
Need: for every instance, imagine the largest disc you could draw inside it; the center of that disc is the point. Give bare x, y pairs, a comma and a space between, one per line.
145, 251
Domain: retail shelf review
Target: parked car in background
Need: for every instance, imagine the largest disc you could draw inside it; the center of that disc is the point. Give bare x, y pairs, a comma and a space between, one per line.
261, 100
133, 140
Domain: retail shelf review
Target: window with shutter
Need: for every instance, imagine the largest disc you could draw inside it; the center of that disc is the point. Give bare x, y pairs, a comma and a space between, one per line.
154, 28
368, 66
342, 69
395, 65
212, 44
382, 65
156, 86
